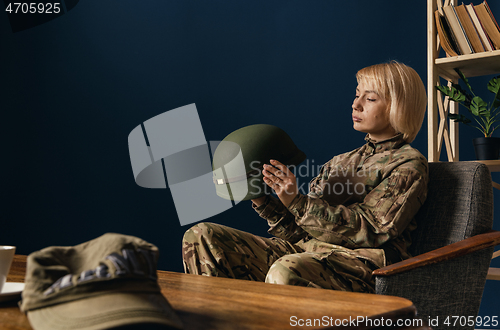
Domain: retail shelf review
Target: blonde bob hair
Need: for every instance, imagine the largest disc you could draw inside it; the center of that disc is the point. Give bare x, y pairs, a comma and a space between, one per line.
404, 92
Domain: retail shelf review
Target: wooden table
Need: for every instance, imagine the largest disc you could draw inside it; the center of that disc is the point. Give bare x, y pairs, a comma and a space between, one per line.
219, 303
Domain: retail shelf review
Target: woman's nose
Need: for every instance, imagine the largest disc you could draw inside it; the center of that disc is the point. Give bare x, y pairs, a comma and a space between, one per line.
356, 106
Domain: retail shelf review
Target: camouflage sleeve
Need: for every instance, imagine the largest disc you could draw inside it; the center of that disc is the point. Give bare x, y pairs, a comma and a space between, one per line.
382, 215
281, 222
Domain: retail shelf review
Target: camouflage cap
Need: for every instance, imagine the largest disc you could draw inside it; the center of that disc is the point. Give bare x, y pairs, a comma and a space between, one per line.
107, 282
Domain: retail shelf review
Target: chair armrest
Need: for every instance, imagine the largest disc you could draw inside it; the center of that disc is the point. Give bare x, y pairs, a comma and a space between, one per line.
458, 249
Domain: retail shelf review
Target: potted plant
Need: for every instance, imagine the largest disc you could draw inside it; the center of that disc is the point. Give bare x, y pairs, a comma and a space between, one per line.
484, 114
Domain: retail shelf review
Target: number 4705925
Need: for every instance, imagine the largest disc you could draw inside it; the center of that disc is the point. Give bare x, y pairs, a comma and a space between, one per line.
471, 321
33, 8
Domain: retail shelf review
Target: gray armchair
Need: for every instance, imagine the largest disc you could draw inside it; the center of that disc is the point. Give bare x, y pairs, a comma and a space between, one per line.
452, 245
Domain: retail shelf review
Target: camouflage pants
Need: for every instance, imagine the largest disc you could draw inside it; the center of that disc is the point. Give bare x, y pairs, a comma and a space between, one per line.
215, 250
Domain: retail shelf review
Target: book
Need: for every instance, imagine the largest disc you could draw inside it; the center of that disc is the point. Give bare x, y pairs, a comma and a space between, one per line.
479, 28
469, 28
488, 22
445, 38
491, 14
457, 30
451, 35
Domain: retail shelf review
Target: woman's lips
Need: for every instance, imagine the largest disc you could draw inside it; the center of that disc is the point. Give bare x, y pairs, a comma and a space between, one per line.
357, 119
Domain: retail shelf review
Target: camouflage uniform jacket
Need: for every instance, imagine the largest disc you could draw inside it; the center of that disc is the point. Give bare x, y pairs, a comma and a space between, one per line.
362, 202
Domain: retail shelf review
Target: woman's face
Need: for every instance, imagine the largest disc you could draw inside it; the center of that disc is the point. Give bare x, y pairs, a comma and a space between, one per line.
370, 114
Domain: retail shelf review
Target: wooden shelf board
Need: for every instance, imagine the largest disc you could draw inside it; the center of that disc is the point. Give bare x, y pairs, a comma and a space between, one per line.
472, 65
493, 274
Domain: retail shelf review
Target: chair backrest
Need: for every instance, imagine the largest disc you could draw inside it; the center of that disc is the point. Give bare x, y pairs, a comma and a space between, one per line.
459, 205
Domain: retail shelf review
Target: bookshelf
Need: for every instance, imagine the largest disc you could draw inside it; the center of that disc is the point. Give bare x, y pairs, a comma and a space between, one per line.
441, 130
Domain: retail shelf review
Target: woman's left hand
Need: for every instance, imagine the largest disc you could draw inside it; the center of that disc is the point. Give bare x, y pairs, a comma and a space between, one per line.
282, 181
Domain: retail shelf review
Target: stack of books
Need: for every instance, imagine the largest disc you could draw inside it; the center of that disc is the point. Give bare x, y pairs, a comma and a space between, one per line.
467, 29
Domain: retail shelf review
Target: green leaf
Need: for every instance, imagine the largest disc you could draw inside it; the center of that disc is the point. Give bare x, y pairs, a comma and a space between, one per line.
479, 108
496, 103
468, 97
494, 87
464, 79
459, 118
452, 93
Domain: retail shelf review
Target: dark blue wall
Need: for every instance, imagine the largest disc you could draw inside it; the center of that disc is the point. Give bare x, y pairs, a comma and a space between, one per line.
74, 88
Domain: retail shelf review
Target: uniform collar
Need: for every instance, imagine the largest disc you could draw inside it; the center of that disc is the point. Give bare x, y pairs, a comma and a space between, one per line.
394, 142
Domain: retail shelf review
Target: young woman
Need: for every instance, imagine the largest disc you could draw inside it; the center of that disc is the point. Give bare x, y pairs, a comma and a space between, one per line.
360, 209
